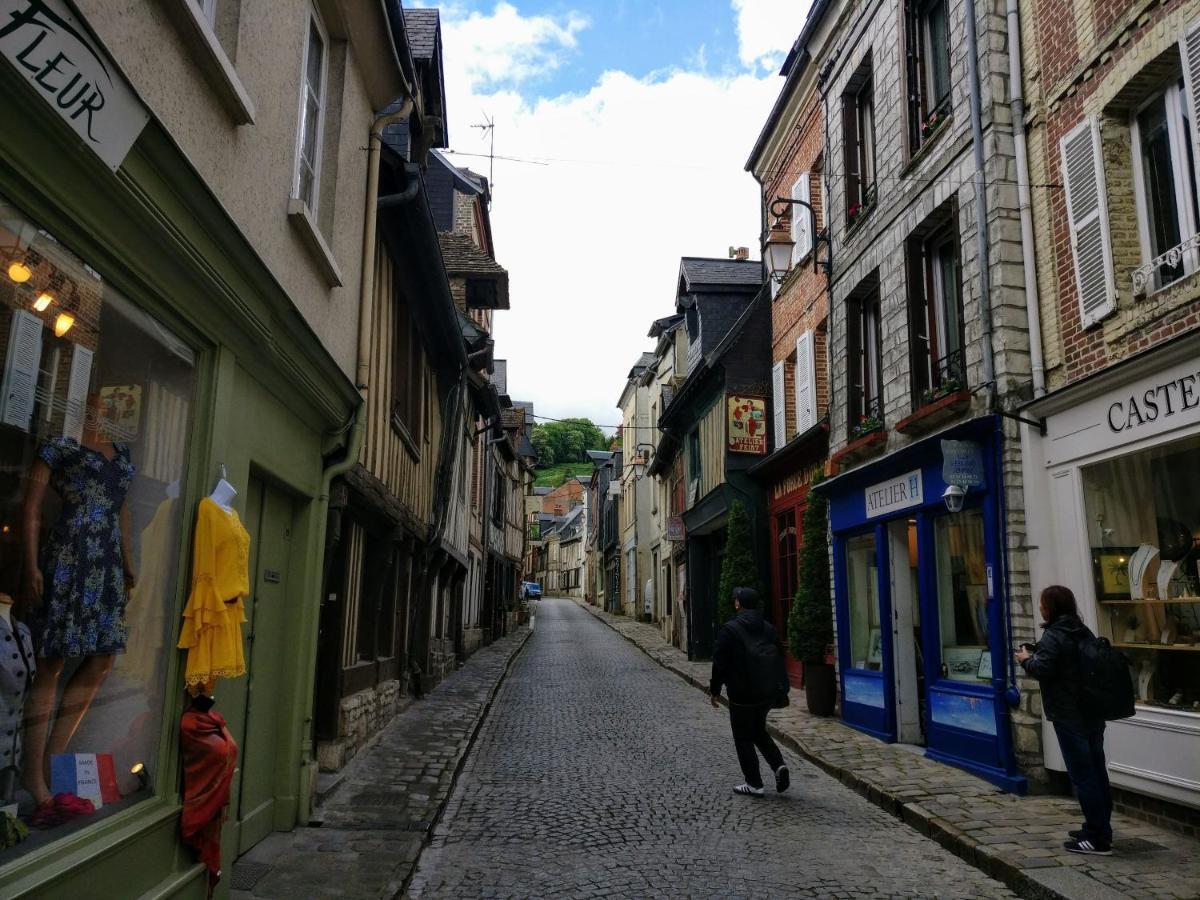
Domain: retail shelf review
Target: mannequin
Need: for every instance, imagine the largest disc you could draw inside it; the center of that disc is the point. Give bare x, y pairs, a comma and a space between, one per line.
15, 678
56, 578
224, 493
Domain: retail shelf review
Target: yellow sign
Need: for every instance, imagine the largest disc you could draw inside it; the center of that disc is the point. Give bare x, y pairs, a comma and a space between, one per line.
747, 424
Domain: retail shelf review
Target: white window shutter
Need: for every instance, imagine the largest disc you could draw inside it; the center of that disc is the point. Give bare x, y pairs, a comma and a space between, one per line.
77, 388
21, 369
801, 219
1087, 215
1189, 52
806, 383
778, 409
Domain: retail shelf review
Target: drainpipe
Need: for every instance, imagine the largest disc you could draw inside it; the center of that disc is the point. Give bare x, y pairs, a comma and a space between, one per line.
981, 229
1017, 105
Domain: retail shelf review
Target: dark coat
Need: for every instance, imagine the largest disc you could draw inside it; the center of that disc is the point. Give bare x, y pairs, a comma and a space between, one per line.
729, 658
1055, 664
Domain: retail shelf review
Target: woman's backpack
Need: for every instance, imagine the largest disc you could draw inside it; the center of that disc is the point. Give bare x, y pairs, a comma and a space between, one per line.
1106, 691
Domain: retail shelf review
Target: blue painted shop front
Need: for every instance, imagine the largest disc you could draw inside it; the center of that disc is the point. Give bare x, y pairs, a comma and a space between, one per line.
921, 599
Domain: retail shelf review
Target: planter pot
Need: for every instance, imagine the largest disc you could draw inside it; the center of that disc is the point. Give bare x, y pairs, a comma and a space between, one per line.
820, 688
861, 448
936, 413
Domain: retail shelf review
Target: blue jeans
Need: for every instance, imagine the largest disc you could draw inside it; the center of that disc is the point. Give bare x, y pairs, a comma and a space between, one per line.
1083, 751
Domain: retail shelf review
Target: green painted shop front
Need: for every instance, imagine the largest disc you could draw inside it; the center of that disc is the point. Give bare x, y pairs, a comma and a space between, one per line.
269, 405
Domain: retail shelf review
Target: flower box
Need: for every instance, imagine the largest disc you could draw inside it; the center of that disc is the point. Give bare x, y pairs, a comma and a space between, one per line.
860, 448
936, 412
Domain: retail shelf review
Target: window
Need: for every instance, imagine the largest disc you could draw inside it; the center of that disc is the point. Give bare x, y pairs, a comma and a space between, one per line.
208, 9
962, 596
312, 116
862, 590
1141, 520
787, 561
927, 38
95, 412
408, 376
694, 467
1165, 184
935, 319
863, 350
858, 120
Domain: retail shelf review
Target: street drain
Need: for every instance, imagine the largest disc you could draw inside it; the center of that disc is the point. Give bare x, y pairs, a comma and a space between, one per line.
248, 874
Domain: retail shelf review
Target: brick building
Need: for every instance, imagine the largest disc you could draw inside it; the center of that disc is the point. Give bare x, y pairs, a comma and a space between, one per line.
1113, 487
563, 498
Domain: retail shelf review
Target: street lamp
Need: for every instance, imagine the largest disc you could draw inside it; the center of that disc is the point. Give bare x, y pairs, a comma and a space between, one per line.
778, 247
778, 252
642, 455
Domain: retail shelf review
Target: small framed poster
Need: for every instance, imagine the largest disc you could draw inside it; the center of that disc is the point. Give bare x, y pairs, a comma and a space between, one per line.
962, 663
1110, 569
875, 647
984, 671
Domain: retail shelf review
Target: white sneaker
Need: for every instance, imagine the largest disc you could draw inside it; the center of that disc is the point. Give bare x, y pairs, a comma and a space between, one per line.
748, 791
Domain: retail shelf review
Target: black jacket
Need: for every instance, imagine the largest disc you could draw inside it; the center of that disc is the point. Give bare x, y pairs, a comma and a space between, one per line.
1055, 664
729, 658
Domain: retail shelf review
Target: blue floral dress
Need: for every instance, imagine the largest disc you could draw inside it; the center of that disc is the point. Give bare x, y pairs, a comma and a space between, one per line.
82, 612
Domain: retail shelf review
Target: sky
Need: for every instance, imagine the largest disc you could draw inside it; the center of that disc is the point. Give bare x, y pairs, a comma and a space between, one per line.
621, 132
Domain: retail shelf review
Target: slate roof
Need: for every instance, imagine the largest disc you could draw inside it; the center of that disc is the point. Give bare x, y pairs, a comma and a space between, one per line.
462, 257
542, 491
499, 375
698, 272
665, 325
422, 28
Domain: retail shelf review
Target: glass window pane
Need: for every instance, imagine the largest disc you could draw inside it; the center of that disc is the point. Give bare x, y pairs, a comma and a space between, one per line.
862, 589
962, 593
1142, 525
316, 55
95, 410
1162, 211
937, 55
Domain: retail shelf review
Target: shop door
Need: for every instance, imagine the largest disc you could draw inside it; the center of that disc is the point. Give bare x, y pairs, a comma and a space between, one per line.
252, 704
909, 665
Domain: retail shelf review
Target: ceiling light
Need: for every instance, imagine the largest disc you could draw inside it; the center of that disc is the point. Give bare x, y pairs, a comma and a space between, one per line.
44, 299
19, 272
63, 323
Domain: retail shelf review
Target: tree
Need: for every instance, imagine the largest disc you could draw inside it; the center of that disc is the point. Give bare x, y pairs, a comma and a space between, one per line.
566, 441
810, 624
738, 568
541, 446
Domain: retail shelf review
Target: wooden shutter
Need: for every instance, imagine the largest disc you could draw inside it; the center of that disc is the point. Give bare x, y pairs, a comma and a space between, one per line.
806, 382
801, 219
778, 410
850, 150
77, 389
1087, 214
1189, 52
21, 369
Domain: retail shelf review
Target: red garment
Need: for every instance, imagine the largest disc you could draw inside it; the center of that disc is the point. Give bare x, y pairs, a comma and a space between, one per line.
209, 758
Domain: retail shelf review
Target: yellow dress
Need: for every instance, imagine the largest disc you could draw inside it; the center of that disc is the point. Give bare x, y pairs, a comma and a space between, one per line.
212, 621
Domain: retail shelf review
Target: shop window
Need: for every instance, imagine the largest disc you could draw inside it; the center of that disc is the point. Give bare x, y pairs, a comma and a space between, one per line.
862, 589
863, 354
310, 134
1165, 186
858, 122
377, 603
927, 45
935, 319
1143, 524
94, 419
787, 561
962, 596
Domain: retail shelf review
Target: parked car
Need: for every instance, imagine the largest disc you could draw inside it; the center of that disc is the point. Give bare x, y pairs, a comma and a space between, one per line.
531, 590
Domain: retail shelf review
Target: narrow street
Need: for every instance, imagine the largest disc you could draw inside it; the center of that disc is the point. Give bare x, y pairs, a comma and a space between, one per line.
598, 773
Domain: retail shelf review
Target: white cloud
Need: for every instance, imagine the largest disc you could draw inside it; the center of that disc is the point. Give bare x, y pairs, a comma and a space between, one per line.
766, 30
636, 174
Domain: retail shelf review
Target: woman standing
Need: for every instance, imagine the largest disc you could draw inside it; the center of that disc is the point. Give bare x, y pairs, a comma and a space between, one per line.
1055, 663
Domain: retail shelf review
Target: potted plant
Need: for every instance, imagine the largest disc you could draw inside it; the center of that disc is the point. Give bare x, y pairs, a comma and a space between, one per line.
810, 624
859, 211
866, 425
737, 568
932, 123
948, 386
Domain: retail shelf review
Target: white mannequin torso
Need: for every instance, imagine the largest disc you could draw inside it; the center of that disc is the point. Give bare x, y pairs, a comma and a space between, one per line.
223, 495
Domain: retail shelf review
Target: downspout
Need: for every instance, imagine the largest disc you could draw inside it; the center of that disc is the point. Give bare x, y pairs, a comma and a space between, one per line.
981, 228
1017, 105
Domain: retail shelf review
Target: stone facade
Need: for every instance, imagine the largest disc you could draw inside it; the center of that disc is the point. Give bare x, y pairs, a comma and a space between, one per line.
360, 716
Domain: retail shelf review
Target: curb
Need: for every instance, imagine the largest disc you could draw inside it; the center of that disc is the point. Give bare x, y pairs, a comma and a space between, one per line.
911, 814
476, 726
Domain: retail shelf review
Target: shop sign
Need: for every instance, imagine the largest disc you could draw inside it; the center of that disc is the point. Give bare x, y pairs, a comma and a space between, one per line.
675, 529
962, 463
796, 480
747, 424
1145, 408
52, 50
894, 494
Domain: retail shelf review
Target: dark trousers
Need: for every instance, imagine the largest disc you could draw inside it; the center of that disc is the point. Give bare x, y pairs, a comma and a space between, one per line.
749, 725
1083, 751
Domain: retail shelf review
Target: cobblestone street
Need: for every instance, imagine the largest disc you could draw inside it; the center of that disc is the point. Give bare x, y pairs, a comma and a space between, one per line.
599, 773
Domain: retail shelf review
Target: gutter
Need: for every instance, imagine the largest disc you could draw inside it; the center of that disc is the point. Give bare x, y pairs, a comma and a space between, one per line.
981, 228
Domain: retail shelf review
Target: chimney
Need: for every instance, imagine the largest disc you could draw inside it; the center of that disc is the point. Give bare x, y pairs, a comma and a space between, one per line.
739, 252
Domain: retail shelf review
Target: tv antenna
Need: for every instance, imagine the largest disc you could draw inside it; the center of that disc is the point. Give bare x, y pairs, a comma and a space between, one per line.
488, 127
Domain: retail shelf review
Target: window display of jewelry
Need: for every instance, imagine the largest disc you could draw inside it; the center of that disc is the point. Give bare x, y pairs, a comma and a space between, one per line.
1162, 640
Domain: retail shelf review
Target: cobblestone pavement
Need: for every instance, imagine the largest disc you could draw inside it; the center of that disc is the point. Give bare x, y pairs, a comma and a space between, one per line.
376, 823
597, 773
1016, 839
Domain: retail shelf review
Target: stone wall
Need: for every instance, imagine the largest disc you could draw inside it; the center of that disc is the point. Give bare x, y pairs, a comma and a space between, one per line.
360, 717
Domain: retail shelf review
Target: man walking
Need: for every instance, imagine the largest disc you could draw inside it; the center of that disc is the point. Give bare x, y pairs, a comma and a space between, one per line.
739, 661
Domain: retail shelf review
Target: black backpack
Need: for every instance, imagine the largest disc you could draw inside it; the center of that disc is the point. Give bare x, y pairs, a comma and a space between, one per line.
766, 673
1106, 691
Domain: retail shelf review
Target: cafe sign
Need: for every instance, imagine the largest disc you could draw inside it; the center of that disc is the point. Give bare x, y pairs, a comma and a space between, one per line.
49, 46
747, 424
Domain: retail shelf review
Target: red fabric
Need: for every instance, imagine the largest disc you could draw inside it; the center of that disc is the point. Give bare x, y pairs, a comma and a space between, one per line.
209, 758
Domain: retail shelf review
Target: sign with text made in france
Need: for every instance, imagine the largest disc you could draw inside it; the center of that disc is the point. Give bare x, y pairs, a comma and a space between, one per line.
747, 430
894, 494
962, 463
51, 48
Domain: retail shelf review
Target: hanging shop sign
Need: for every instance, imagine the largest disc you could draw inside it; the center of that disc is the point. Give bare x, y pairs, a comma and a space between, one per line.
747, 424
962, 463
51, 48
893, 494
675, 529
